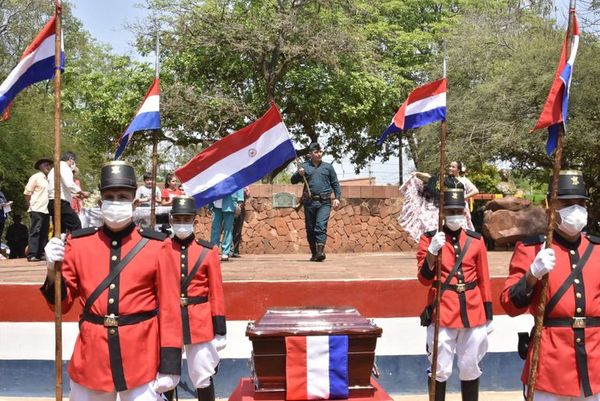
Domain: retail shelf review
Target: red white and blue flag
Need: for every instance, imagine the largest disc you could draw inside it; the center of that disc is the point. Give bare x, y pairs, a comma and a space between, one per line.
424, 105
316, 367
36, 64
554, 114
238, 160
146, 118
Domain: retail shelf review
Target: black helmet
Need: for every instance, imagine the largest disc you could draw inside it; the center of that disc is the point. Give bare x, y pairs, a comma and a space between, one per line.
570, 185
454, 198
117, 174
183, 204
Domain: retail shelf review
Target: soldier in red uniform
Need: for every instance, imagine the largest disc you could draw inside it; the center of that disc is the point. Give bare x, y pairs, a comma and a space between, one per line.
466, 303
127, 346
201, 297
569, 359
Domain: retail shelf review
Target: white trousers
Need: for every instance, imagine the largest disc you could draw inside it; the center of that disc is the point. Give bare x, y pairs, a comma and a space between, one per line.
202, 360
469, 345
140, 393
542, 396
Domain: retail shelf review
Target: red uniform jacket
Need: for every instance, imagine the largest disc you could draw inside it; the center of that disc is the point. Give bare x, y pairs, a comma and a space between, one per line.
569, 357
123, 357
202, 304
470, 308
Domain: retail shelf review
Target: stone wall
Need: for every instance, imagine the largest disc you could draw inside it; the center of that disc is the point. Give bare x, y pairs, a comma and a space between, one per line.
366, 221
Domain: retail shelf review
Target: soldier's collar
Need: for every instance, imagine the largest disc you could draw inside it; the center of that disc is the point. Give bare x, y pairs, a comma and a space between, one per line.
452, 233
559, 239
118, 235
186, 241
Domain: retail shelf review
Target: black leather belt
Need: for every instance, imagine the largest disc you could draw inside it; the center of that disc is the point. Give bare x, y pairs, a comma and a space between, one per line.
462, 287
574, 322
185, 301
115, 321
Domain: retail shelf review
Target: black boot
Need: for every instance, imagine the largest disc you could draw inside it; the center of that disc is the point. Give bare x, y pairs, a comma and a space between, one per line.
313, 251
440, 390
320, 253
169, 395
469, 390
208, 393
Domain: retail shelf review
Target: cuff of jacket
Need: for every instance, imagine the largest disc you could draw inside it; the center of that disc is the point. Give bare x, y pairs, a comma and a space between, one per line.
426, 272
219, 325
519, 294
170, 361
489, 314
47, 291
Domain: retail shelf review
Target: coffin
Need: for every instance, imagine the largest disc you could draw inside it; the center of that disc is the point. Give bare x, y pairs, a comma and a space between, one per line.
268, 344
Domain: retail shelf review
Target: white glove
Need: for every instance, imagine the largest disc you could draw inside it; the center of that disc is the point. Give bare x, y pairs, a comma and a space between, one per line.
489, 326
165, 382
219, 342
437, 242
543, 264
55, 251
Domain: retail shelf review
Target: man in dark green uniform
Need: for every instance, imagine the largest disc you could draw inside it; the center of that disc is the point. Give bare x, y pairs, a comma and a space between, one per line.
322, 182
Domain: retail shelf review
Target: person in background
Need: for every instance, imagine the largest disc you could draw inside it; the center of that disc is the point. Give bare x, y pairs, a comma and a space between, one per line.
76, 201
16, 237
223, 211
170, 190
3, 215
36, 198
238, 224
144, 192
470, 190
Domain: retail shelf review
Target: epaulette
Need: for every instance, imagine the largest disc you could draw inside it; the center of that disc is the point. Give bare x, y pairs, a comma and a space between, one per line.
149, 233
430, 233
593, 239
84, 232
535, 240
205, 244
473, 234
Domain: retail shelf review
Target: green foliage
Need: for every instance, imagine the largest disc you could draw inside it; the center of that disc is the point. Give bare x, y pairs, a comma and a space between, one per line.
485, 177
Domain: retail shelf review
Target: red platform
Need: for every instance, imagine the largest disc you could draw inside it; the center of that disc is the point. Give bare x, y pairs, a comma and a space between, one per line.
245, 392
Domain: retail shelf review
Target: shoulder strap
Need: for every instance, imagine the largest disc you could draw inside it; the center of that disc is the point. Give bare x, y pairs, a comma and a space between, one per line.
456, 265
194, 270
113, 274
567, 283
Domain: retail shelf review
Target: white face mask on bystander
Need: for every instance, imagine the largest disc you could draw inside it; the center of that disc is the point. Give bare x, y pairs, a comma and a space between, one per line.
572, 219
117, 214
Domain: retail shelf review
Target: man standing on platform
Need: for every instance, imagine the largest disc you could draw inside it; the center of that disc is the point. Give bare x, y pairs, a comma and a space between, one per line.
36, 197
201, 302
126, 349
466, 302
570, 344
322, 183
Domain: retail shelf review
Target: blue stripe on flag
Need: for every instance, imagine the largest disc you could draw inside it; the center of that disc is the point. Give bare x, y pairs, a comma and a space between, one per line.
122, 145
40, 71
552, 138
246, 176
145, 121
338, 367
419, 119
391, 129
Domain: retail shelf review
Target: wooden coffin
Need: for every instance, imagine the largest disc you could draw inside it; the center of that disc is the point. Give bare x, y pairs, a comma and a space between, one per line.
268, 343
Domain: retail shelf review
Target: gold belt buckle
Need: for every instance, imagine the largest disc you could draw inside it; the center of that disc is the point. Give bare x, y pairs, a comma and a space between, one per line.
579, 323
111, 320
183, 301
461, 287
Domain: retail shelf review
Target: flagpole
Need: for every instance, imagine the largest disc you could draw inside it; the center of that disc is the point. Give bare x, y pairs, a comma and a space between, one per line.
539, 317
400, 167
438, 295
154, 147
57, 200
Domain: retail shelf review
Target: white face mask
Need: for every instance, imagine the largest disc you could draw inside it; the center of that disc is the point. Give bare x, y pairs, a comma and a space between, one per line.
182, 231
455, 222
573, 219
117, 214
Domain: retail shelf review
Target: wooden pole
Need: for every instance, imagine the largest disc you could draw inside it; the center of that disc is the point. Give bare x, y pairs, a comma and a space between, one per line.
154, 145
56, 221
400, 167
438, 273
539, 317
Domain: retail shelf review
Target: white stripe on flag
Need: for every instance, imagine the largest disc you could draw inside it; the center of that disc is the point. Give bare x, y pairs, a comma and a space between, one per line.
317, 367
150, 104
237, 161
45, 50
429, 103
574, 47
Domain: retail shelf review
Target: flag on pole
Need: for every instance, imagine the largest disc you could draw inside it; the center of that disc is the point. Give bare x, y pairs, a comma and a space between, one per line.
316, 367
36, 64
554, 113
238, 160
146, 118
424, 105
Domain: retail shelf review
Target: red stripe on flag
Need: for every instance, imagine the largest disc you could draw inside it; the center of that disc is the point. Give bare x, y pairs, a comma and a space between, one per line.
295, 368
228, 145
154, 89
46, 31
422, 92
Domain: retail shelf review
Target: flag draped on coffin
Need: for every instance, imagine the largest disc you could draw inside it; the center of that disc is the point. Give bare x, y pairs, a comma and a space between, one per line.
36, 64
146, 118
316, 367
238, 160
424, 105
554, 114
